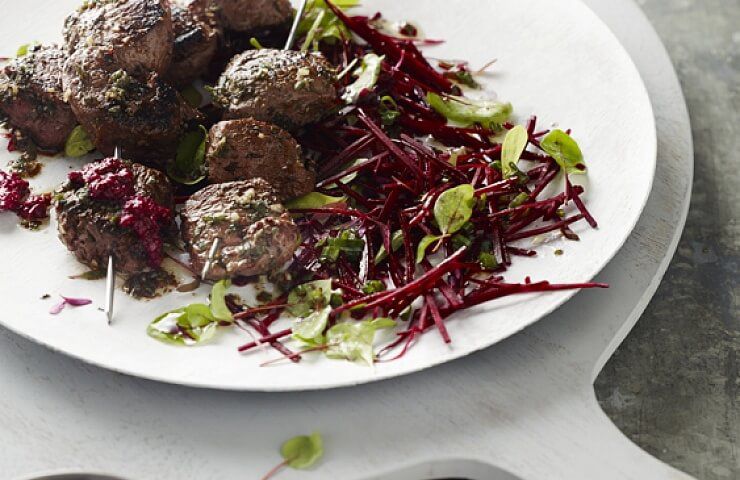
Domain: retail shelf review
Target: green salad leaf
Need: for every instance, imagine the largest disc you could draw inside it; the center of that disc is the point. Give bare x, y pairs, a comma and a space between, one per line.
302, 451
514, 144
454, 207
367, 76
561, 146
218, 301
467, 111
421, 250
192, 96
310, 329
195, 323
320, 25
309, 297
348, 241
189, 165
396, 243
185, 326
313, 200
78, 143
354, 340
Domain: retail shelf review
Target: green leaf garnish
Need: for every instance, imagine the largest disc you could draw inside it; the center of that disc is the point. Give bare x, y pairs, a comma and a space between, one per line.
454, 207
367, 76
561, 146
487, 260
313, 200
23, 49
189, 165
320, 25
78, 143
388, 110
302, 451
466, 111
255, 43
421, 250
354, 340
185, 326
218, 301
309, 297
396, 243
310, 329
192, 96
514, 144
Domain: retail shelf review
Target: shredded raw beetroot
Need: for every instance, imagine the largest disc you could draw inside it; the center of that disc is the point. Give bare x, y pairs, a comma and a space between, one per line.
392, 196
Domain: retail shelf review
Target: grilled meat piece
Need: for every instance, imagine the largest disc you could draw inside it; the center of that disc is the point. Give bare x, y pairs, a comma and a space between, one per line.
142, 114
252, 15
257, 233
287, 88
196, 41
91, 229
247, 148
138, 32
31, 96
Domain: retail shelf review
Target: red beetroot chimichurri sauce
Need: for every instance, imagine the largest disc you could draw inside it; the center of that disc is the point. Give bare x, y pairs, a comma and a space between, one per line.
15, 196
112, 180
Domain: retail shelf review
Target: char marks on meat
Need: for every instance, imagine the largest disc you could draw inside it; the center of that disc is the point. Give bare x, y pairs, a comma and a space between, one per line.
196, 40
288, 88
253, 15
258, 235
138, 33
248, 148
142, 114
31, 96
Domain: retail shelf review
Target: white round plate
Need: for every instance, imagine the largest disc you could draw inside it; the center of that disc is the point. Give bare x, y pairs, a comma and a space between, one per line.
555, 59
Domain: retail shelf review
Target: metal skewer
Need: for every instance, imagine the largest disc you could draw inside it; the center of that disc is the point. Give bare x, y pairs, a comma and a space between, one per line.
216, 245
110, 279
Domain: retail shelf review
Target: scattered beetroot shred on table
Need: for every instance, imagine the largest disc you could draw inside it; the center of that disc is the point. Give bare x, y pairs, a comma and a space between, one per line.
378, 244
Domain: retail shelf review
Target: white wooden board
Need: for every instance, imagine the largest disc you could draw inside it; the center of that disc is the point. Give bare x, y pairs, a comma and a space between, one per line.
522, 409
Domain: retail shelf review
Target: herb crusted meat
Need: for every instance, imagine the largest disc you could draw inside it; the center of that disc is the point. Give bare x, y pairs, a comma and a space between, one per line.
247, 148
31, 96
196, 40
253, 15
285, 87
258, 235
138, 33
90, 225
140, 113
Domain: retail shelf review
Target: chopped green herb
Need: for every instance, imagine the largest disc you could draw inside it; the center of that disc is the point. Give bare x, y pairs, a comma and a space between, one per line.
78, 143
558, 252
309, 297
561, 146
373, 286
25, 48
388, 110
347, 242
466, 111
514, 144
519, 200
487, 260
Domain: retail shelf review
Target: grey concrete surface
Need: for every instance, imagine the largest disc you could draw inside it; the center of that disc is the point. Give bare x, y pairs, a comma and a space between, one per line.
673, 386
